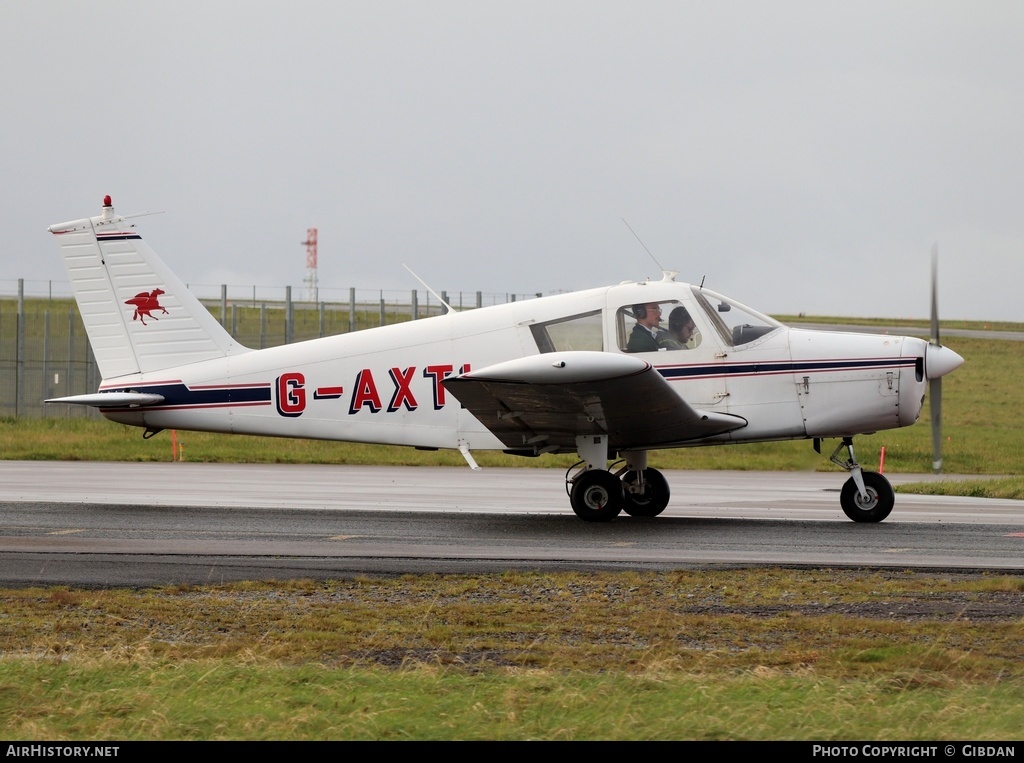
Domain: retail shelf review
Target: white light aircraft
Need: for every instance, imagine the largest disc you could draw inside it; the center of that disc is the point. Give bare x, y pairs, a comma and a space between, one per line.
608, 373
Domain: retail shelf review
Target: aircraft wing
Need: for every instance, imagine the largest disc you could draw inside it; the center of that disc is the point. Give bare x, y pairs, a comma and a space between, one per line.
543, 402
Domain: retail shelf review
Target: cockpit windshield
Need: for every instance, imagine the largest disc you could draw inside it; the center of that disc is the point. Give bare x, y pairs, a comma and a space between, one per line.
737, 324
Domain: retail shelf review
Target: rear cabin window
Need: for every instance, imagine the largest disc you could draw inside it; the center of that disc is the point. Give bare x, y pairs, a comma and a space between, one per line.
577, 332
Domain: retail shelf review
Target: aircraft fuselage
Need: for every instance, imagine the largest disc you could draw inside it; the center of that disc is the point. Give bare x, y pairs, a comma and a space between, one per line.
386, 385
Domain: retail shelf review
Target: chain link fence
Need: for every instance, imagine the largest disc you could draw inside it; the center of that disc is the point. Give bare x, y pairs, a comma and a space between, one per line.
44, 351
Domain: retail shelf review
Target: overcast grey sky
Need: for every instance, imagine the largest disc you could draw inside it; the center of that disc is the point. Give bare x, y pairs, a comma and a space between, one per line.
802, 156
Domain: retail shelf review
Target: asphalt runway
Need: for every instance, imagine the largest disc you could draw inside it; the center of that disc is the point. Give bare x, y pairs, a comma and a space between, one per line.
127, 524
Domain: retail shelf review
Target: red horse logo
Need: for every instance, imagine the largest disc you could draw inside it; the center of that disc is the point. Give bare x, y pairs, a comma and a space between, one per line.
145, 303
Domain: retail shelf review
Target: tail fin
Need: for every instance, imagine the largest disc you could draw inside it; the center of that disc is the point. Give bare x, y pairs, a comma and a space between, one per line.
139, 316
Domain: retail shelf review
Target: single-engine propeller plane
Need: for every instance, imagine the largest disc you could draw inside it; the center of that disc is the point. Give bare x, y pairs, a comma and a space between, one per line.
609, 374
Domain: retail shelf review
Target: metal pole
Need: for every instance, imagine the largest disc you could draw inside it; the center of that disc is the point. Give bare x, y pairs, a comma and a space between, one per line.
90, 369
289, 315
69, 379
19, 350
47, 383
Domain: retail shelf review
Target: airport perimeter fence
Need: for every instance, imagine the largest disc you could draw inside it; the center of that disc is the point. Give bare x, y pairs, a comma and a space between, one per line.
44, 351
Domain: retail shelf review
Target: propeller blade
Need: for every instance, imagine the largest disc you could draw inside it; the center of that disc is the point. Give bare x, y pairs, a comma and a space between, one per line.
935, 401
943, 361
935, 299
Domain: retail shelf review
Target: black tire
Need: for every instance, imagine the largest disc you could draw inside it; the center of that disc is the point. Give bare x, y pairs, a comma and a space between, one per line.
596, 496
881, 498
652, 501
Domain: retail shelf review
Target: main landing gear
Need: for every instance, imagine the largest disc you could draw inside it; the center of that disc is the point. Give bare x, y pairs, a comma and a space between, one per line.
866, 496
599, 495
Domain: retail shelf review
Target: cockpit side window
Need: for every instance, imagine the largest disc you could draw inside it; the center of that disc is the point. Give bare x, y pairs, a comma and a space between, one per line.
735, 323
577, 332
656, 327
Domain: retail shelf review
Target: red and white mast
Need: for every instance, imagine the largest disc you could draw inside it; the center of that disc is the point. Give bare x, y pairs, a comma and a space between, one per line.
312, 279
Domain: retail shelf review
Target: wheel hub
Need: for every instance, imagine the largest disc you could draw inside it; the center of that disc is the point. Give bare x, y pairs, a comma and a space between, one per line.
596, 497
867, 503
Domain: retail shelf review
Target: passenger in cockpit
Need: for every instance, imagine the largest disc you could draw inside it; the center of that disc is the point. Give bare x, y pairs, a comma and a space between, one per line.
681, 327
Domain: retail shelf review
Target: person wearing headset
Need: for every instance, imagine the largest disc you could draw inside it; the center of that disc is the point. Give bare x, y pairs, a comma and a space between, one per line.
681, 327
647, 334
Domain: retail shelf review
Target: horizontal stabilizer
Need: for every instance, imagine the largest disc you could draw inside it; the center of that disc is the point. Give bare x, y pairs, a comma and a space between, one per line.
111, 399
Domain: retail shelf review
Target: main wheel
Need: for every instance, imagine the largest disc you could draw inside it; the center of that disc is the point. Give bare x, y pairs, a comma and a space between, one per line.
879, 501
596, 496
652, 500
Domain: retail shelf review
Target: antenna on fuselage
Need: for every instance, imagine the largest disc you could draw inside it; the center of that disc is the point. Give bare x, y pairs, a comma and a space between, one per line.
447, 307
644, 246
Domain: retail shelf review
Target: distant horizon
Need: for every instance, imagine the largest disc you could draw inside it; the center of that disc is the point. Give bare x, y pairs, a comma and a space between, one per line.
400, 297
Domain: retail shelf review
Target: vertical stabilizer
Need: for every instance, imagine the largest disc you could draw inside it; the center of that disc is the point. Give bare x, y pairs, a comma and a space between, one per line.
139, 316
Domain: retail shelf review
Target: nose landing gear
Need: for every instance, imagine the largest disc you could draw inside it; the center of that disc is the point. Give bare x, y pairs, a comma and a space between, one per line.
866, 496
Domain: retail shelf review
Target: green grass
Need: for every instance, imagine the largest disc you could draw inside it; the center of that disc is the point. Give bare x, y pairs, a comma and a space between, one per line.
213, 701
709, 654
999, 487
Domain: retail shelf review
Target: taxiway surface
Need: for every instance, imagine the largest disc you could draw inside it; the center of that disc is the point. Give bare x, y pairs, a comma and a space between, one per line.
87, 523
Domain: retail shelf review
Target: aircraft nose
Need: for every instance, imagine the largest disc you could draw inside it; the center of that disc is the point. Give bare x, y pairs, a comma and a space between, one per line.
940, 360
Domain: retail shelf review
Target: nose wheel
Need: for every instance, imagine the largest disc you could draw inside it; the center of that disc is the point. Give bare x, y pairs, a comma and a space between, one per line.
866, 496
874, 505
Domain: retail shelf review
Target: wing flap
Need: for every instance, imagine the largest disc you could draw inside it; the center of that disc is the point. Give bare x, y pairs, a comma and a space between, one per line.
545, 401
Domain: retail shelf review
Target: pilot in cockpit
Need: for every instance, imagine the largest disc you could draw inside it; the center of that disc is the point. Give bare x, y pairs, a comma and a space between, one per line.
648, 334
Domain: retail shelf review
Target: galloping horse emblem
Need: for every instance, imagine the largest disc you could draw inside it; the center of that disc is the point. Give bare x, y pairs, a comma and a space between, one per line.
145, 303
